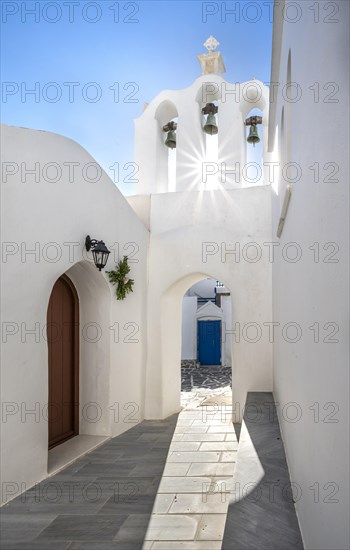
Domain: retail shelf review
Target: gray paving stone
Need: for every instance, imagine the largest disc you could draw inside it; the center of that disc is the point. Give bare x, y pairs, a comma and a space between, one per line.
176, 468
107, 469
183, 484
208, 456
172, 527
98, 545
185, 446
203, 437
127, 466
211, 469
41, 521
218, 446
257, 520
60, 545
151, 469
198, 503
23, 527
133, 529
82, 528
187, 545
128, 504
211, 527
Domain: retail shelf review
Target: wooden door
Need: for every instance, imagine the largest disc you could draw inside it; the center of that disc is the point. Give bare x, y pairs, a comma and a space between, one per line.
209, 342
63, 348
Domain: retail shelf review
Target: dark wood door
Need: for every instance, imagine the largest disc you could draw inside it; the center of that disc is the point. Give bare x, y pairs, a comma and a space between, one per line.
63, 348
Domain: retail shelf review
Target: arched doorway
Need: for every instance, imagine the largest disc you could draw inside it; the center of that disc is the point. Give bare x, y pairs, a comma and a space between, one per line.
163, 381
63, 362
206, 355
206, 324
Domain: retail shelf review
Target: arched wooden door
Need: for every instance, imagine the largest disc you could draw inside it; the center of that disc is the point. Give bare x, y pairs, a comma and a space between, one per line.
63, 348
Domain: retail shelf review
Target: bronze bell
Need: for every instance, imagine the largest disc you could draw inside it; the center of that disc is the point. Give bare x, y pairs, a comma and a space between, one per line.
171, 134
210, 127
253, 135
171, 139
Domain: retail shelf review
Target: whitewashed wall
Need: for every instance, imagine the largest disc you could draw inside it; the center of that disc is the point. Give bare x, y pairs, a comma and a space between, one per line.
313, 372
204, 289
188, 340
226, 305
189, 243
37, 211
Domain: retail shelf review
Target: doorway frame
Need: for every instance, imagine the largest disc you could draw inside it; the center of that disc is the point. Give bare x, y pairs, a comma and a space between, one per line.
204, 320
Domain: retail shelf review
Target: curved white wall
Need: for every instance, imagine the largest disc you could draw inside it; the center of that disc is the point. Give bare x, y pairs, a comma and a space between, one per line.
35, 213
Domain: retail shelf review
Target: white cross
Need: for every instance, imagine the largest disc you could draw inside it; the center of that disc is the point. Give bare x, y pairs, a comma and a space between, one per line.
211, 44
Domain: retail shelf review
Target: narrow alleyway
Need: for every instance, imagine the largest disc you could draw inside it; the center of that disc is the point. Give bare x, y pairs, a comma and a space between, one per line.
163, 485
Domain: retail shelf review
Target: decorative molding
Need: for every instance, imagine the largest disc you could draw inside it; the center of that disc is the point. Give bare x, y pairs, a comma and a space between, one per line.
286, 200
209, 310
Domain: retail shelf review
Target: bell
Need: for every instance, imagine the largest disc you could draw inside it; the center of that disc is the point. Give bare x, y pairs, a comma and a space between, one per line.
171, 140
210, 126
253, 135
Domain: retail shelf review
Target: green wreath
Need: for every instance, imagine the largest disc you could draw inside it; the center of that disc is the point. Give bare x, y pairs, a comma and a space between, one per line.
119, 277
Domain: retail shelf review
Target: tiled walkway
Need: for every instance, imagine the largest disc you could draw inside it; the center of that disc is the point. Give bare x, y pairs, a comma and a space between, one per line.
163, 485
193, 495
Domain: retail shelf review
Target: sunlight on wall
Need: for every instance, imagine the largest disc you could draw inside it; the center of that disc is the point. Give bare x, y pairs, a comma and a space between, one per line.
172, 159
275, 158
212, 156
172, 170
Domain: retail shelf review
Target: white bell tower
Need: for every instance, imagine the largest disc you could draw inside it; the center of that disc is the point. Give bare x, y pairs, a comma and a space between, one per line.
196, 163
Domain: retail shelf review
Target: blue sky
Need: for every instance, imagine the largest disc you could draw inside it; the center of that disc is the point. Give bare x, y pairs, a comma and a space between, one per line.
136, 48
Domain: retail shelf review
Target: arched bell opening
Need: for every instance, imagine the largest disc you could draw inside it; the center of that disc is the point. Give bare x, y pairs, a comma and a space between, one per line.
208, 98
253, 135
171, 144
210, 127
167, 120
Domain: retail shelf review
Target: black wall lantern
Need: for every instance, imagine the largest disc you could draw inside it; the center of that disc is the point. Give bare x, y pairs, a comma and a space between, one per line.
99, 250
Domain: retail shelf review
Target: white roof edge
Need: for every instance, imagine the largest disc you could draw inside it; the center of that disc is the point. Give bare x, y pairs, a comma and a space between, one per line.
275, 65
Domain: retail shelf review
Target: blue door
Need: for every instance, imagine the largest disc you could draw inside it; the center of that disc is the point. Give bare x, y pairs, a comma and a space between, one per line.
209, 342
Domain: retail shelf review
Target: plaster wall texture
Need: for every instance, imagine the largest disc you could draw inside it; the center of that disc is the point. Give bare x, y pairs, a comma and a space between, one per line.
204, 289
313, 372
53, 219
193, 237
227, 339
188, 339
